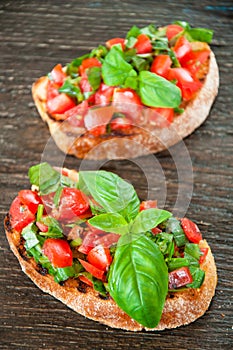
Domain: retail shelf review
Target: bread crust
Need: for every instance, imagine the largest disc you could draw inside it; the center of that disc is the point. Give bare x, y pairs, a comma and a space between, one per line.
180, 308
141, 141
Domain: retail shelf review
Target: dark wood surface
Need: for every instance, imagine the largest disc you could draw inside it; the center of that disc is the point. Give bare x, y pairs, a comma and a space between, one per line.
35, 35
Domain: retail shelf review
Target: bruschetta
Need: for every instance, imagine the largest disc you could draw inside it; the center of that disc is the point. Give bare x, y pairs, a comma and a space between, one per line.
132, 96
87, 239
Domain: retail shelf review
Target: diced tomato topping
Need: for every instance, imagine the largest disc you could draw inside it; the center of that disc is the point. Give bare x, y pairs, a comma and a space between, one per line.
47, 201
179, 278
86, 280
161, 65
143, 44
110, 43
104, 95
52, 90
204, 252
42, 227
119, 124
125, 96
20, 215
172, 30
156, 230
100, 257
73, 203
193, 60
58, 252
88, 63
191, 230
57, 74
31, 199
98, 130
162, 117
60, 104
84, 84
182, 47
88, 242
94, 271
185, 82
76, 114
147, 205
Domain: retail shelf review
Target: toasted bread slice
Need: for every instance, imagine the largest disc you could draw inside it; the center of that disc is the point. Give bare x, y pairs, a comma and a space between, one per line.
142, 140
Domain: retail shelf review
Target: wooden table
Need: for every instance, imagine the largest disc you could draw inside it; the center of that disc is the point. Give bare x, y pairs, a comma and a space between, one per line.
35, 35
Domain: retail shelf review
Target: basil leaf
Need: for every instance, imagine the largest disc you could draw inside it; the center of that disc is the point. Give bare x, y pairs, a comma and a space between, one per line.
99, 52
29, 234
198, 276
94, 77
72, 67
110, 222
133, 32
156, 91
113, 193
176, 263
199, 34
63, 273
131, 82
183, 24
173, 226
148, 219
45, 177
71, 88
165, 243
138, 279
115, 69
54, 228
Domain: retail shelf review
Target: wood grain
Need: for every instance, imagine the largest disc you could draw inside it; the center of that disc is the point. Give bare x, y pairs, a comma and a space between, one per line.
34, 37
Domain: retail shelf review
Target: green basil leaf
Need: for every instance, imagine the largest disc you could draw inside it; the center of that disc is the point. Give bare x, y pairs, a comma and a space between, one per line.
148, 219
176, 263
72, 67
165, 243
29, 234
173, 226
131, 82
63, 273
54, 228
198, 276
94, 77
99, 52
156, 91
45, 177
113, 193
133, 32
71, 89
183, 24
115, 69
199, 34
138, 279
110, 222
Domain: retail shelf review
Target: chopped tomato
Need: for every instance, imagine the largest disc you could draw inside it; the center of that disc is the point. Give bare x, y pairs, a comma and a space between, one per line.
121, 123
193, 60
88, 63
156, 230
76, 114
72, 203
104, 95
147, 205
161, 65
191, 230
31, 199
47, 201
42, 227
88, 242
185, 82
164, 116
126, 95
100, 257
182, 47
86, 280
204, 252
110, 43
179, 278
52, 90
98, 130
84, 84
143, 44
172, 30
94, 271
60, 104
58, 252
20, 215
57, 74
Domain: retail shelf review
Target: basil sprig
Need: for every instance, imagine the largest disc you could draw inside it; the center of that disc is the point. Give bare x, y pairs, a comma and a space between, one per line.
138, 279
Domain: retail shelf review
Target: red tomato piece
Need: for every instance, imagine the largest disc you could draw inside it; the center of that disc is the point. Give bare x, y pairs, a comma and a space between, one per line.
47, 201
52, 90
172, 30
110, 43
57, 74
75, 115
182, 47
60, 104
94, 271
107, 240
86, 280
100, 257
104, 95
42, 227
143, 44
179, 278
126, 95
162, 117
156, 230
31, 199
73, 203
204, 252
191, 230
88, 63
147, 204
58, 252
98, 130
119, 124
161, 65
193, 60
20, 215
88, 241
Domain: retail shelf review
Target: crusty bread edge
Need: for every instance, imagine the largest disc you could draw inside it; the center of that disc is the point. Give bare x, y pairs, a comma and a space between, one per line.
180, 309
74, 141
